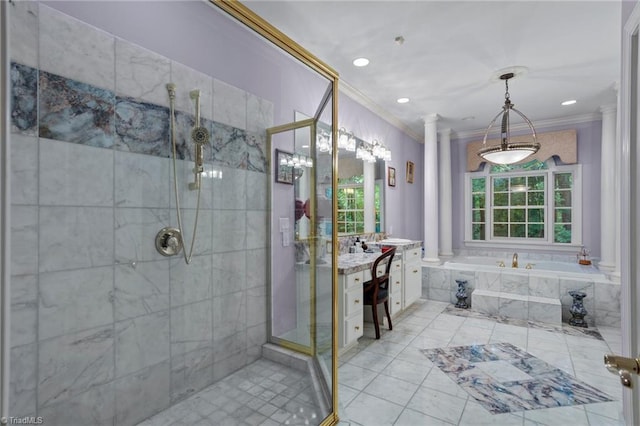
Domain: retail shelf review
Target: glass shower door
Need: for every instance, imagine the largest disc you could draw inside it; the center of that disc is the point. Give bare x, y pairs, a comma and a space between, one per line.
301, 291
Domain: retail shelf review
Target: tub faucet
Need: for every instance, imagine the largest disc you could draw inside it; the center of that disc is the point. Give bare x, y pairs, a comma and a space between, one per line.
514, 261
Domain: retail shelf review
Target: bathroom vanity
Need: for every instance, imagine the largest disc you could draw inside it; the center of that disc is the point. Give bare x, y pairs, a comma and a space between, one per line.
355, 268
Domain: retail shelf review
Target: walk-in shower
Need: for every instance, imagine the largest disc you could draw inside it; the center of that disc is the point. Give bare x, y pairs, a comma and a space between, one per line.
103, 156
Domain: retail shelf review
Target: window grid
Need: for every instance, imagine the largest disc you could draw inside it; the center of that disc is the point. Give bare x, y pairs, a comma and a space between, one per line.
351, 210
563, 209
518, 207
478, 209
539, 205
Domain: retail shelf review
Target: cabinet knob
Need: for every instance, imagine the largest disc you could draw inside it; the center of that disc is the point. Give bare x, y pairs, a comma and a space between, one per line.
356, 301
415, 271
357, 327
356, 279
397, 303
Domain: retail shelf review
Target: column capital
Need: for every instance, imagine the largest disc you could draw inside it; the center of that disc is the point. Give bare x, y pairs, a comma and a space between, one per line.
608, 109
445, 132
430, 118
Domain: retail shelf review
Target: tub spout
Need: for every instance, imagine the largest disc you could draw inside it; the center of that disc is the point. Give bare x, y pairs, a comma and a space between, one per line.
514, 261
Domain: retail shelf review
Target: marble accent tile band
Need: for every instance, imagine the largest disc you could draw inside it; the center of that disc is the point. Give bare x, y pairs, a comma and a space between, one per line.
72, 111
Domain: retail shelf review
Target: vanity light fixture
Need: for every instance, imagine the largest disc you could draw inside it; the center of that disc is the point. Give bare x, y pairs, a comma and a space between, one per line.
508, 152
364, 152
371, 152
323, 141
346, 140
361, 62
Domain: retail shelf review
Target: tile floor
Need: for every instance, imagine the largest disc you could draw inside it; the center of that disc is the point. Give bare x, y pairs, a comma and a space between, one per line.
263, 393
392, 382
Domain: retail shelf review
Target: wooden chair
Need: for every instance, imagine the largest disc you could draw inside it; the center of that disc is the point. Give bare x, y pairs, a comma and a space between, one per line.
376, 290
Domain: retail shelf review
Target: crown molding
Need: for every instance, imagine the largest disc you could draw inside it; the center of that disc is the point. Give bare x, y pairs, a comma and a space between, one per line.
539, 124
366, 102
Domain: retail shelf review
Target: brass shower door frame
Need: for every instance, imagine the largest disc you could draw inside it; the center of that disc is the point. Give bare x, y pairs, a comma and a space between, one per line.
279, 39
298, 347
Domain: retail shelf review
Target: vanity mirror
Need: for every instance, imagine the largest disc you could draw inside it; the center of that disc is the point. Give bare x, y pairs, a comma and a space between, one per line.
360, 195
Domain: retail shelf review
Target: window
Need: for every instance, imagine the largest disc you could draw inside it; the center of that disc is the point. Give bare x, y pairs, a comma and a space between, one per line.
533, 203
351, 209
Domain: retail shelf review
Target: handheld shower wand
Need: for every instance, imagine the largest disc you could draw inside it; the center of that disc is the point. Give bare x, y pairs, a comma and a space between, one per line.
170, 241
200, 136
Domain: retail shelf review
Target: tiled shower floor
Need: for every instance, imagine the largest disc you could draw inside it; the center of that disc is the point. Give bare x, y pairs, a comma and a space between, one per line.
263, 393
449, 367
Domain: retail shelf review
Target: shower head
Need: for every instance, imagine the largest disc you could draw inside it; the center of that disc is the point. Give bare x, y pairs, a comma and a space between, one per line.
200, 136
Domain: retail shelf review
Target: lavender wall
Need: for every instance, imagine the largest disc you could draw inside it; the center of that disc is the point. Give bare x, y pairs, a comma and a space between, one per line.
589, 136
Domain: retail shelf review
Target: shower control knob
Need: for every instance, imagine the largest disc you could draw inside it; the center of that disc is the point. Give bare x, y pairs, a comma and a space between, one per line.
172, 242
169, 241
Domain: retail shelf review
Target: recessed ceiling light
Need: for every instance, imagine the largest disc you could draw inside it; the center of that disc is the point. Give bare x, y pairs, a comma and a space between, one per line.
361, 62
402, 100
571, 102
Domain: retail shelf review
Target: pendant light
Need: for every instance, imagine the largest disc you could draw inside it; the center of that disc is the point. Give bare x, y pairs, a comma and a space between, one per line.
508, 152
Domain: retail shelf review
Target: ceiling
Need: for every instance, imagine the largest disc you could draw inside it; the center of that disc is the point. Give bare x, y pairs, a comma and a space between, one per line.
453, 52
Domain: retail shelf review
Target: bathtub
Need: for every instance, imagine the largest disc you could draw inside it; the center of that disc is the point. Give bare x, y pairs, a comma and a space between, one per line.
537, 267
540, 293
566, 269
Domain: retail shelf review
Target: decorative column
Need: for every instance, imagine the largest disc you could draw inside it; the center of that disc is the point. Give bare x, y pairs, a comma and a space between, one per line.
607, 190
369, 197
444, 167
431, 189
617, 275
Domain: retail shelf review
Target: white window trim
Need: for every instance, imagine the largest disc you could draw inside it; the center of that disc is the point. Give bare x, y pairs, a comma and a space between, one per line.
527, 244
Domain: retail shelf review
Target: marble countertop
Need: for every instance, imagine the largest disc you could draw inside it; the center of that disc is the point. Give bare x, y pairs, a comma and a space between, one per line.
349, 263
355, 262
400, 243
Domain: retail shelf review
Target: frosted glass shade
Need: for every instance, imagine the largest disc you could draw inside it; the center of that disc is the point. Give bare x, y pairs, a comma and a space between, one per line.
509, 154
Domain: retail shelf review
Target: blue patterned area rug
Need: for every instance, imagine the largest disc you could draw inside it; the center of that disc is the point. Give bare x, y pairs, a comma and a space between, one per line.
504, 378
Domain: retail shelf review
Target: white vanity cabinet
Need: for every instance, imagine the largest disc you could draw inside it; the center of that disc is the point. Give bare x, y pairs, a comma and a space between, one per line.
412, 276
350, 308
354, 270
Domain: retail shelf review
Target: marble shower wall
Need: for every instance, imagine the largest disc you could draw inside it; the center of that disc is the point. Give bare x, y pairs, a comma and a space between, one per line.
106, 330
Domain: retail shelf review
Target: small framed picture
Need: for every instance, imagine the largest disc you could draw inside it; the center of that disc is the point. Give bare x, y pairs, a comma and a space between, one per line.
284, 171
391, 176
410, 167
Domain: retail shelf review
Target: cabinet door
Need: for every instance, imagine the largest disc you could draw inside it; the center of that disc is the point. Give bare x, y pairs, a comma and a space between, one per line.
412, 283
